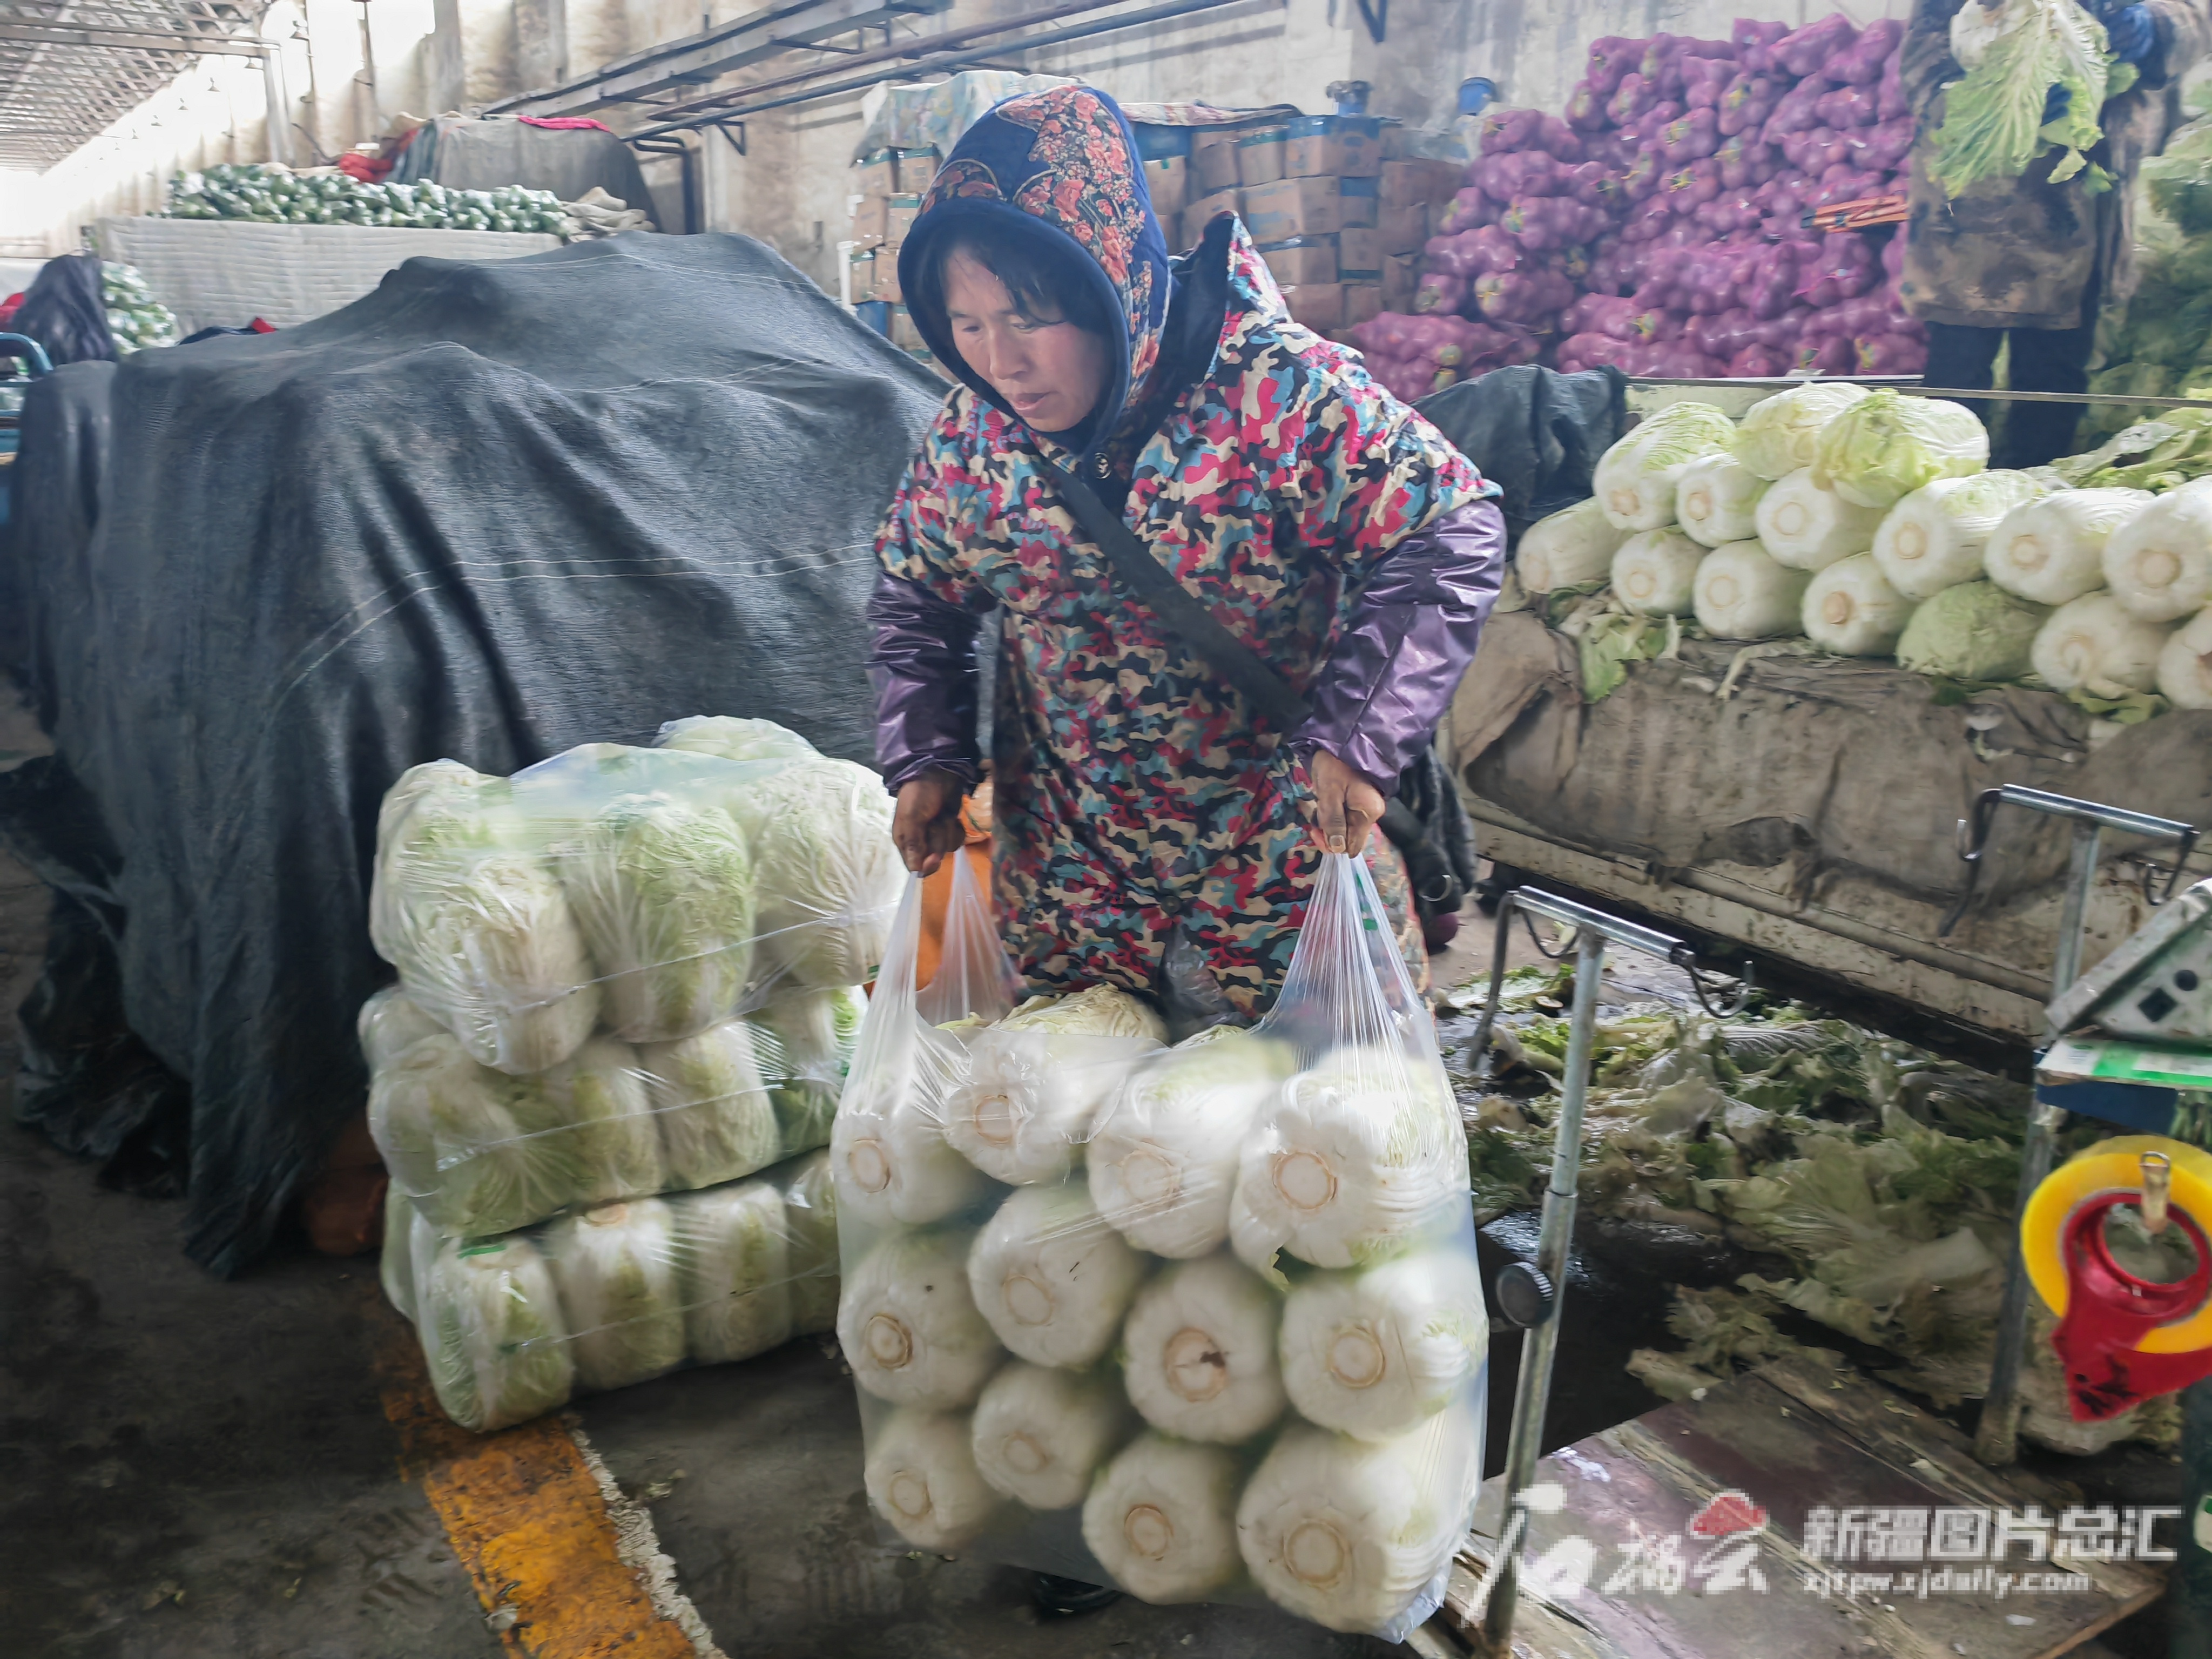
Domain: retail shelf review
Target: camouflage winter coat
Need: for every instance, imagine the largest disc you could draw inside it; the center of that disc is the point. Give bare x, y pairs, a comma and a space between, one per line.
2025, 253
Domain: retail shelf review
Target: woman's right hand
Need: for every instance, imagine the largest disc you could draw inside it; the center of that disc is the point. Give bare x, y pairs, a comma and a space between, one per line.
926, 826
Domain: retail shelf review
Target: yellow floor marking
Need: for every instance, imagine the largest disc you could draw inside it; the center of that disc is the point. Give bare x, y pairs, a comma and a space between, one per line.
526, 1520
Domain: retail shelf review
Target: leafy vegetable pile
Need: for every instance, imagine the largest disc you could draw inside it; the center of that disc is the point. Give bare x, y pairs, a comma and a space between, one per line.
1657, 226
135, 317
270, 194
1870, 1183
1865, 524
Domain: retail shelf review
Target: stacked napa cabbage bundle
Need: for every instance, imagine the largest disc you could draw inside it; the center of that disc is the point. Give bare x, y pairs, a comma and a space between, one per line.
1867, 523
1217, 1304
622, 972
628, 981
512, 1324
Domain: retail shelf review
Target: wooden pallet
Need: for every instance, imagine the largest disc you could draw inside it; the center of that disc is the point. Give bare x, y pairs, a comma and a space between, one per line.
1795, 1435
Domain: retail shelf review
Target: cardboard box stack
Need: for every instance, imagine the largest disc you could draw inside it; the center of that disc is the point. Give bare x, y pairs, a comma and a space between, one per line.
1338, 215
1411, 193
887, 192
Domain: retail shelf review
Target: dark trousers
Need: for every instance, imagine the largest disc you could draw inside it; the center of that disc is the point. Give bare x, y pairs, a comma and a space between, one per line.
2043, 360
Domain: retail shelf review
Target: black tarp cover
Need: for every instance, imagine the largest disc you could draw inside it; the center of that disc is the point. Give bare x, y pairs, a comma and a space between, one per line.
490, 511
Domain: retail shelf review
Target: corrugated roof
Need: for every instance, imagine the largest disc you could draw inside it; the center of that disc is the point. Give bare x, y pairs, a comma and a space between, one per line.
68, 68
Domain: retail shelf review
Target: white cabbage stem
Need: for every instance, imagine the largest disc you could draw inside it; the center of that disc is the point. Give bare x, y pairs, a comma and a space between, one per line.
1634, 482
1743, 594
1374, 1353
1717, 501
2053, 550
1570, 548
2185, 666
2094, 643
887, 1146
908, 1325
1162, 1519
1851, 610
1040, 1433
1199, 1351
615, 1268
1806, 527
1655, 573
1360, 1158
1163, 1161
921, 1477
1026, 1108
1935, 538
733, 1251
1353, 1534
1051, 1277
2159, 564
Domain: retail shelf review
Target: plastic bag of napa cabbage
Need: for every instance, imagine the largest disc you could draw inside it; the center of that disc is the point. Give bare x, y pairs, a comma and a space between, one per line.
1203, 1322
622, 972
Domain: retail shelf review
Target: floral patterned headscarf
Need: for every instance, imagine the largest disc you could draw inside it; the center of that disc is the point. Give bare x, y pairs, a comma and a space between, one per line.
1062, 165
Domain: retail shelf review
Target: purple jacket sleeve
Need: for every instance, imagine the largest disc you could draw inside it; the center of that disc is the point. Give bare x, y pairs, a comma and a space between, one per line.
922, 662
1413, 633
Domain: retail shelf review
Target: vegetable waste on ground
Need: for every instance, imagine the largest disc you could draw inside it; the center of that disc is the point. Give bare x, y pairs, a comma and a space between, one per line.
1865, 1185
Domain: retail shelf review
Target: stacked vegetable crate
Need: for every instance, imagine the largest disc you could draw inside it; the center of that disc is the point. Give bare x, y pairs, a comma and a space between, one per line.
1867, 523
1657, 225
624, 973
888, 185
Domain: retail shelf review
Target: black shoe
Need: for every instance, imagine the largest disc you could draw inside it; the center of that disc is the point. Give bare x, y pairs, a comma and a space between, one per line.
1063, 1598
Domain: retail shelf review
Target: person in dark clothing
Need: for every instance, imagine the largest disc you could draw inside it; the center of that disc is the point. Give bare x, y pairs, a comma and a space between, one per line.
2030, 259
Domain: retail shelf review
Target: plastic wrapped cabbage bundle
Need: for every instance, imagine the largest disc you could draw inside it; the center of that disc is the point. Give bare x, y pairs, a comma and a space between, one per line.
512, 1326
479, 1151
463, 905
823, 827
1212, 1330
588, 1009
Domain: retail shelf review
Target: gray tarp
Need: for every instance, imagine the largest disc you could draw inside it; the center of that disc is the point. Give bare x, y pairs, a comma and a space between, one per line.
489, 511
1829, 766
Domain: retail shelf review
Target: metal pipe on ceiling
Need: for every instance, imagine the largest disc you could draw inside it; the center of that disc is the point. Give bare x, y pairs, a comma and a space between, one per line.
915, 48
940, 60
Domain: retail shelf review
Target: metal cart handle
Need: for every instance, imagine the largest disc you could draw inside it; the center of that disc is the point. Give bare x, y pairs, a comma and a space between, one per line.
23, 346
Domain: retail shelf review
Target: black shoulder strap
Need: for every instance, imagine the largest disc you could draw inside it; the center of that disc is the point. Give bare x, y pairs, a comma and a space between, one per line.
1174, 604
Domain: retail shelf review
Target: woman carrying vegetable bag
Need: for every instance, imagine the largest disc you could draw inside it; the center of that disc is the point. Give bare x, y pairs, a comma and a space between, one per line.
2031, 256
1239, 582
1331, 532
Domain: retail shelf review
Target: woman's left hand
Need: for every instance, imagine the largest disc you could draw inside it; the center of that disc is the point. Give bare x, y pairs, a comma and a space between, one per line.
1345, 806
